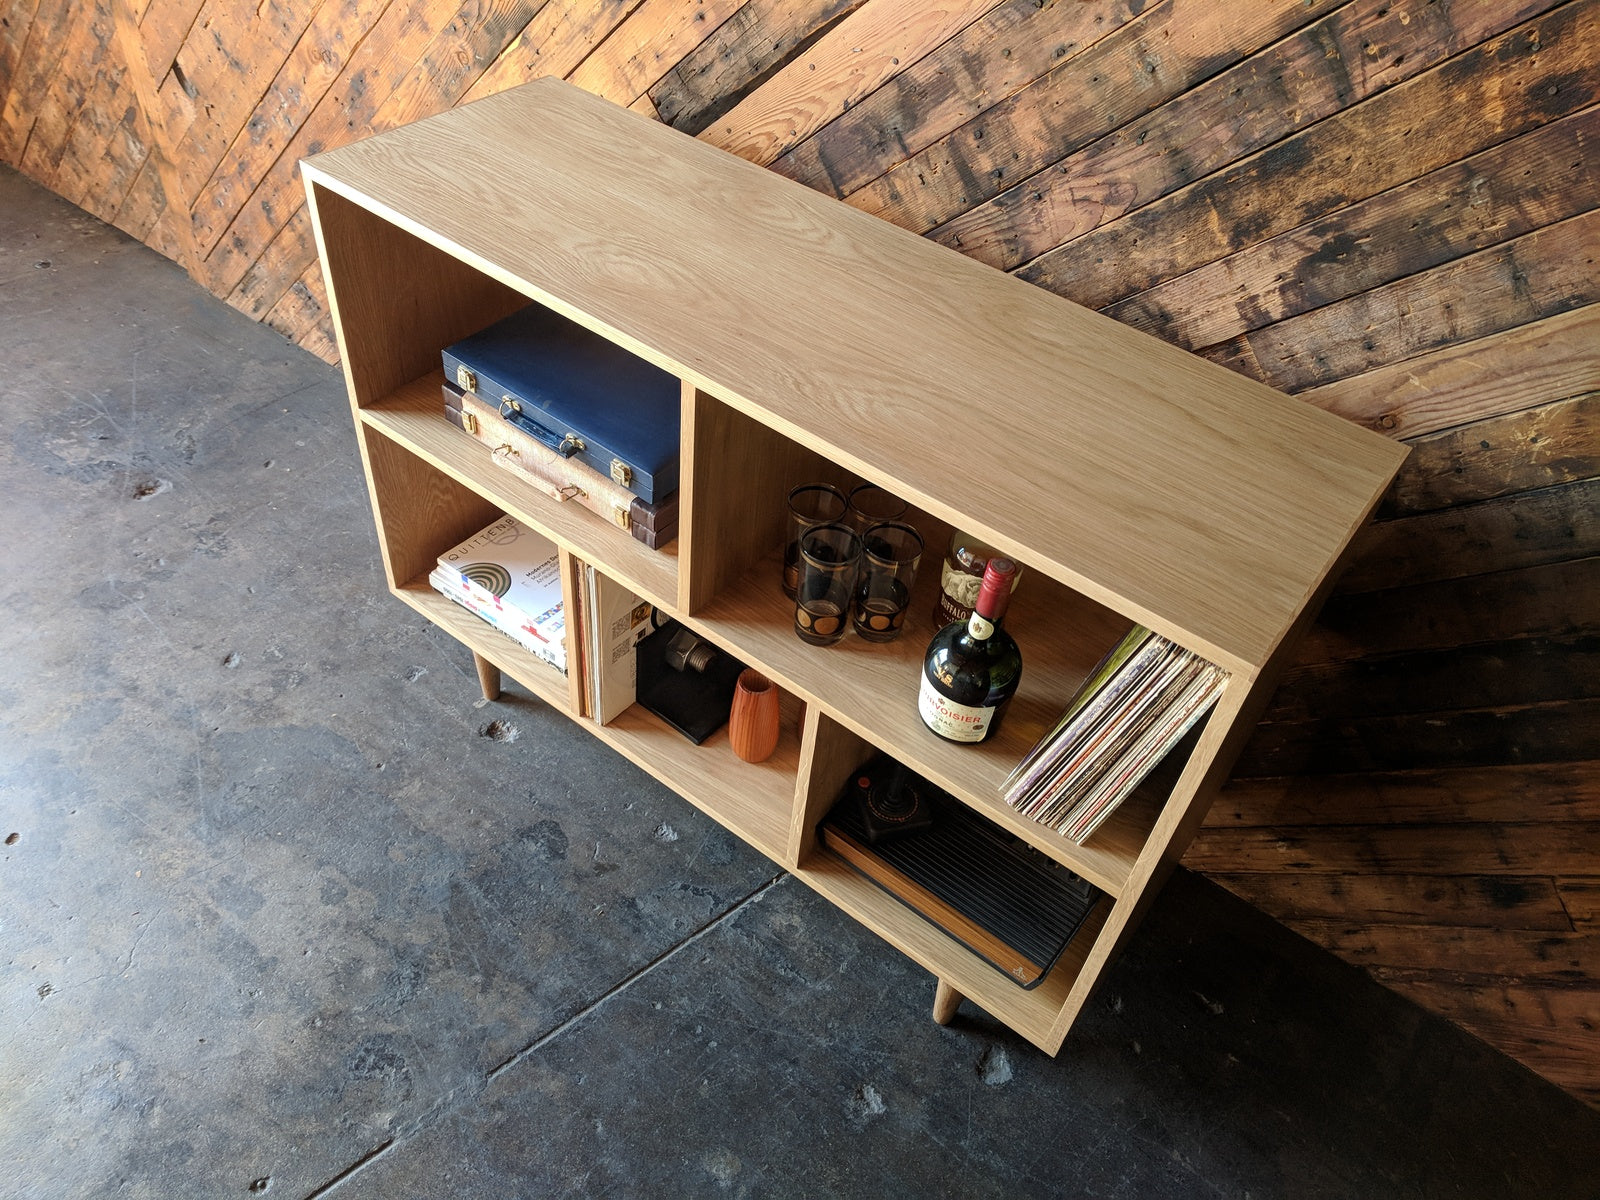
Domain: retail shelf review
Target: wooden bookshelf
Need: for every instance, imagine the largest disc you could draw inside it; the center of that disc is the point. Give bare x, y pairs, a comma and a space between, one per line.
1135, 483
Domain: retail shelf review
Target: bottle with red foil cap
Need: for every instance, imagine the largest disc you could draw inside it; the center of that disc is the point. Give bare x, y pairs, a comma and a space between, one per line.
972, 667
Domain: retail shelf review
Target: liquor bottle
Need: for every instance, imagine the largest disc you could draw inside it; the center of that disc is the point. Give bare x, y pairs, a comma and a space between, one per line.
960, 577
972, 668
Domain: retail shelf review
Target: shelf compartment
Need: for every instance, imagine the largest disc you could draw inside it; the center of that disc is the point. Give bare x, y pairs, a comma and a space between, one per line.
752, 800
483, 639
1031, 1012
872, 689
413, 417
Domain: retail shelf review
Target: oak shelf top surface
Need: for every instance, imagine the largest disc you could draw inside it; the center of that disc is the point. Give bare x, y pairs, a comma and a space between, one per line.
1196, 501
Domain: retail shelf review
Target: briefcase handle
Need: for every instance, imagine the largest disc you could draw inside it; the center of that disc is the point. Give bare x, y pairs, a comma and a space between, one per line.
565, 445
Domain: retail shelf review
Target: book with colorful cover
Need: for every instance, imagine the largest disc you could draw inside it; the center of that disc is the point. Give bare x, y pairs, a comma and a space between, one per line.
510, 575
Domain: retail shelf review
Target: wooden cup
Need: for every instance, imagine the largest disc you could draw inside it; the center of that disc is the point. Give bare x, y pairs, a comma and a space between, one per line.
753, 721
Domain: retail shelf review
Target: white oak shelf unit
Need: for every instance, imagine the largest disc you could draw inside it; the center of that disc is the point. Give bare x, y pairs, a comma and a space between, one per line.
1134, 481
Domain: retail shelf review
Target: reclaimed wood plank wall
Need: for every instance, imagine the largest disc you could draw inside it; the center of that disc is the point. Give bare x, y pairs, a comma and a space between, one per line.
1385, 207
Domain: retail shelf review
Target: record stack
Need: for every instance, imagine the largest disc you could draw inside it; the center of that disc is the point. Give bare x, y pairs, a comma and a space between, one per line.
1134, 708
510, 576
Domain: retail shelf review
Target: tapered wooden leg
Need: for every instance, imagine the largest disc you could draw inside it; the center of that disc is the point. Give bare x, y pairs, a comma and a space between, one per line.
945, 1002
488, 677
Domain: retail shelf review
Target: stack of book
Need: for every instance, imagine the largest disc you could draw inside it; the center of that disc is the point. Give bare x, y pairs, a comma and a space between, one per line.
510, 576
1134, 708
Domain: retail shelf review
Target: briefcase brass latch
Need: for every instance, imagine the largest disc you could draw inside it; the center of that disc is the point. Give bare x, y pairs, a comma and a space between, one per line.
621, 472
622, 517
465, 379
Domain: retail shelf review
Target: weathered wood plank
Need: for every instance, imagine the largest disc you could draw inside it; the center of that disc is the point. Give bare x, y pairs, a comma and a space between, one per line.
286, 258
16, 28
1558, 731
740, 56
1539, 792
1006, 50
1132, 71
1453, 211
1557, 848
1466, 901
559, 37
1350, 54
1543, 70
647, 44
164, 26
21, 36
1581, 899
451, 62
1527, 670
319, 56
1523, 956
302, 309
846, 64
1536, 448
229, 62
173, 232
1543, 273
61, 97
1506, 372
90, 173
378, 65
144, 202
1555, 600
1549, 525
455, 59
1554, 1030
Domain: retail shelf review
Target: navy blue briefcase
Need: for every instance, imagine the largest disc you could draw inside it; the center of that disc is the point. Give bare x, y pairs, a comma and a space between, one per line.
579, 394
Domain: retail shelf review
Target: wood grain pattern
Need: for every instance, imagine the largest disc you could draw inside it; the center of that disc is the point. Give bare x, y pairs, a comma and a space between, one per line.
845, 65
1555, 600
990, 60
1507, 533
1566, 848
1481, 201
1502, 456
1354, 52
1544, 69
1301, 898
739, 56
1543, 273
1131, 71
1500, 793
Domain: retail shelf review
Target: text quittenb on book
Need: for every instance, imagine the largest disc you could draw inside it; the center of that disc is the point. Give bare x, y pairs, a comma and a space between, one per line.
510, 576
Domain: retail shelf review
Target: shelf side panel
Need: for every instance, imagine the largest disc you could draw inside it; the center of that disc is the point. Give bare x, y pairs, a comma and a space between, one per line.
397, 300
421, 512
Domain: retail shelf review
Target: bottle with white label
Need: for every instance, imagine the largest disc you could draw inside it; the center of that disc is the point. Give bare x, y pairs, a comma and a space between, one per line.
972, 667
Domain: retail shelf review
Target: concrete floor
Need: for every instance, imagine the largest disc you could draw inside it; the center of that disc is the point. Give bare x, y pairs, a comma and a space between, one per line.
278, 917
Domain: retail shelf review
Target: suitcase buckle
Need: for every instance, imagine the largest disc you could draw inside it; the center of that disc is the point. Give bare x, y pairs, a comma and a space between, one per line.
621, 472
465, 379
621, 517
